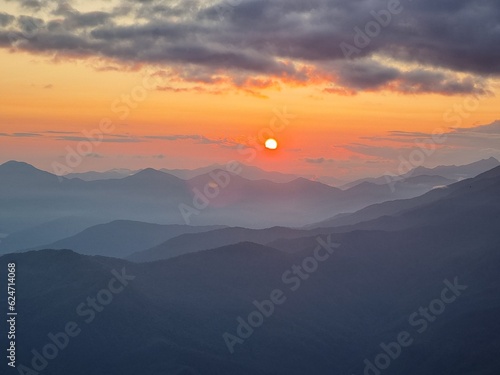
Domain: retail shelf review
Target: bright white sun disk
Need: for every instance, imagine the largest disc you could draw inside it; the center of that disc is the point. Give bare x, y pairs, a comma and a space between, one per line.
271, 144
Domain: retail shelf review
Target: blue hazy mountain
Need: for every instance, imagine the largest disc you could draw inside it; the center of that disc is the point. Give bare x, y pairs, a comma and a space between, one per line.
391, 208
453, 173
336, 318
154, 242
188, 243
106, 175
32, 197
173, 314
46, 233
462, 198
248, 172
121, 238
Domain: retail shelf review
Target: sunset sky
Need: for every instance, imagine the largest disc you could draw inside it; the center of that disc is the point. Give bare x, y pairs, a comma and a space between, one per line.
184, 84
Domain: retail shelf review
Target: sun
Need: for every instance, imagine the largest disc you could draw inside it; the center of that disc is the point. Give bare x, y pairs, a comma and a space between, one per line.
271, 144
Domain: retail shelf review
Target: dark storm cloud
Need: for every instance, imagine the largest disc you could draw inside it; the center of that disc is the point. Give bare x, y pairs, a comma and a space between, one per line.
29, 25
366, 75
371, 75
6, 19
88, 19
421, 81
459, 35
262, 37
73, 19
31, 4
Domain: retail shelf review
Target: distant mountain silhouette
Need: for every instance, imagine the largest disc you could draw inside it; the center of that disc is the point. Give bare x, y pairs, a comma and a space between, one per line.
148, 178
107, 175
189, 243
121, 238
247, 171
32, 197
457, 172
14, 174
450, 172
45, 233
397, 207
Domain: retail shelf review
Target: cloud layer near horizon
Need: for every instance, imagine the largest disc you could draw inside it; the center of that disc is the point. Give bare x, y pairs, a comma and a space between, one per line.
447, 47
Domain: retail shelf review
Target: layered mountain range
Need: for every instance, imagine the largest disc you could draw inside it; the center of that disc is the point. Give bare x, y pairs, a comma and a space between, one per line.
406, 286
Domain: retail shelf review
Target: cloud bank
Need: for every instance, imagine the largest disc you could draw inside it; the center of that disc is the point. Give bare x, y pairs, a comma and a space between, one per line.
443, 47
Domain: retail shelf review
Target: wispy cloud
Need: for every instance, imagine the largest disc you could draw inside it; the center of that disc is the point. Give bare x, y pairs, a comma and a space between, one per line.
321, 160
458, 144
157, 156
198, 139
95, 155
106, 139
59, 132
21, 135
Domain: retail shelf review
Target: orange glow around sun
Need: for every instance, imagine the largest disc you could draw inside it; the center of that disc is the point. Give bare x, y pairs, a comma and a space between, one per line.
271, 144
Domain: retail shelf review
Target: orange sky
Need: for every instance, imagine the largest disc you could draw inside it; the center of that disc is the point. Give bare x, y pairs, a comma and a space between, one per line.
40, 94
